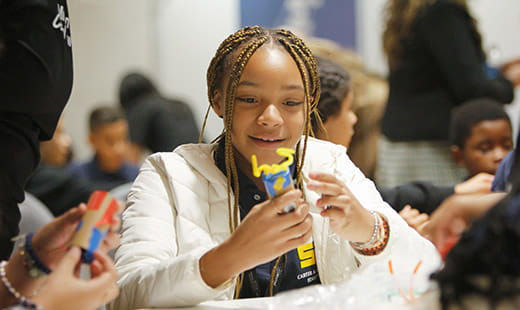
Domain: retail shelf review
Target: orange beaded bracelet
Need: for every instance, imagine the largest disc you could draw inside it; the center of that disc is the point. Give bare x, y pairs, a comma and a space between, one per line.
382, 240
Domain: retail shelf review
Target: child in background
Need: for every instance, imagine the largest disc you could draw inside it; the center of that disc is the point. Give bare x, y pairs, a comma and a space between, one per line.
198, 225
108, 137
481, 136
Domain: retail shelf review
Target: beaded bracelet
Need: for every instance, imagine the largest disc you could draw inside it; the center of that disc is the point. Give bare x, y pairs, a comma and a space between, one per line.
382, 233
382, 240
375, 234
8, 284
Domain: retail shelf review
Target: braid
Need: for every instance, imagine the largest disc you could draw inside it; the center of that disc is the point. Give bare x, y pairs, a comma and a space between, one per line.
247, 40
231, 168
306, 64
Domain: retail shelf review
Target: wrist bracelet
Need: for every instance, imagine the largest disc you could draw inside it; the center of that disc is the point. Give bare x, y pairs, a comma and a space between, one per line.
384, 237
33, 264
373, 239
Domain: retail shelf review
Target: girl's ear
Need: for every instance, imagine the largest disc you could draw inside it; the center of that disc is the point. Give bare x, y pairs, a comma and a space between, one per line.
218, 104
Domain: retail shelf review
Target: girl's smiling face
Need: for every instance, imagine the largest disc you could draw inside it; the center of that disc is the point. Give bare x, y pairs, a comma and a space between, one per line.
269, 105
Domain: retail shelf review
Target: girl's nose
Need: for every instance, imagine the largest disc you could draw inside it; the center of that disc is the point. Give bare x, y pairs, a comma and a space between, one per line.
270, 116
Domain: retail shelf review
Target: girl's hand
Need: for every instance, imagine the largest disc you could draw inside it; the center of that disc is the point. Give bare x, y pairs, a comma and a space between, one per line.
267, 232
264, 234
64, 290
348, 218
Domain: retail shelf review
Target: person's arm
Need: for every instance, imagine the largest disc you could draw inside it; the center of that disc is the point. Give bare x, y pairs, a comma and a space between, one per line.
50, 244
402, 236
447, 33
426, 197
422, 196
453, 216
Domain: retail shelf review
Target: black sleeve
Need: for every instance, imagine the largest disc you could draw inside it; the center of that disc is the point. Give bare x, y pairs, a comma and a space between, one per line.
422, 196
447, 31
58, 189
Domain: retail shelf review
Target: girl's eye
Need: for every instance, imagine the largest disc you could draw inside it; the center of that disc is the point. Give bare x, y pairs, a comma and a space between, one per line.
246, 99
292, 103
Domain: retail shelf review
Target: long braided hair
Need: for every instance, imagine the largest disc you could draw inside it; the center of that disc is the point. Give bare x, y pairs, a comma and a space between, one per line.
229, 61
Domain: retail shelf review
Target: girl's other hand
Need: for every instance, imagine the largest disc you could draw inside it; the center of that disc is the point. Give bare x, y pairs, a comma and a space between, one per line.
348, 218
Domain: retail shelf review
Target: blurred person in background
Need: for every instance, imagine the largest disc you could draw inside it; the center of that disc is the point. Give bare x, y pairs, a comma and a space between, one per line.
156, 123
369, 95
108, 136
436, 63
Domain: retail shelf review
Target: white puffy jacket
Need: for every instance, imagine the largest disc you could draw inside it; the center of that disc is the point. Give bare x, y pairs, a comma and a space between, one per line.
177, 211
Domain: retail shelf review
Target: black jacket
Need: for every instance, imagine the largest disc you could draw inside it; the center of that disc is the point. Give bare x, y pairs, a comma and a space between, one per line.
442, 66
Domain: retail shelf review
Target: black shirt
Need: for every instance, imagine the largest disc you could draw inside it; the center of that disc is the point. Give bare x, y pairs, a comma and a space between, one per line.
35, 60
298, 266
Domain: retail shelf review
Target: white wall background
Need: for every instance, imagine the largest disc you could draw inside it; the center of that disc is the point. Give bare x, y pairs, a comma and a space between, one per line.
109, 38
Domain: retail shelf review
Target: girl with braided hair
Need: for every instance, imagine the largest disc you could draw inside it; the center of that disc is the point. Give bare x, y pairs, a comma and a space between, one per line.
199, 226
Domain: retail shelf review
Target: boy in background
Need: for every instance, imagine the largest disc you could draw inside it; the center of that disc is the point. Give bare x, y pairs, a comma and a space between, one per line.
481, 136
108, 137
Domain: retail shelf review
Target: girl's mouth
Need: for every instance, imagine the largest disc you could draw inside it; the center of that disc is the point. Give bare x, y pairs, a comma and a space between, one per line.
266, 142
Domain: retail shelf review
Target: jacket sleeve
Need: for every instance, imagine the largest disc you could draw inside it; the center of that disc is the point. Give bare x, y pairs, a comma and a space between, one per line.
503, 172
153, 271
404, 241
446, 30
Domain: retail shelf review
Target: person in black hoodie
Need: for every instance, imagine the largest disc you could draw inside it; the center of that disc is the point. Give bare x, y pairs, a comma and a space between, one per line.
35, 84
436, 63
